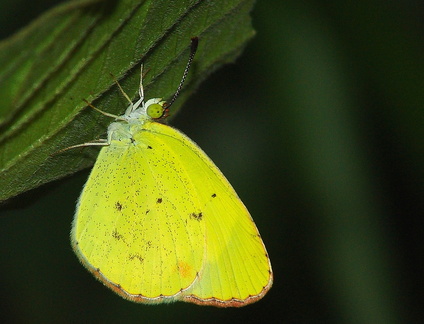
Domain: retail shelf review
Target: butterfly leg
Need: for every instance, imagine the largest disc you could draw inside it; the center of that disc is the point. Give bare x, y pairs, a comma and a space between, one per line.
99, 142
140, 101
101, 111
141, 89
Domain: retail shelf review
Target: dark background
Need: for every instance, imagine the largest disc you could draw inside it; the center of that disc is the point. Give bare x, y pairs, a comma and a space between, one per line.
319, 127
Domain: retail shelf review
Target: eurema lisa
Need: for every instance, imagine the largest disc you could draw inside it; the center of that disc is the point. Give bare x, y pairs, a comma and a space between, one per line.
158, 222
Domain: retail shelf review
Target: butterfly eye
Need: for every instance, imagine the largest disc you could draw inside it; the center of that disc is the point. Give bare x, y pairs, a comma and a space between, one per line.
155, 111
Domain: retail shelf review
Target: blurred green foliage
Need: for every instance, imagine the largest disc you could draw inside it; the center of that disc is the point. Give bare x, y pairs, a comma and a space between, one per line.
319, 127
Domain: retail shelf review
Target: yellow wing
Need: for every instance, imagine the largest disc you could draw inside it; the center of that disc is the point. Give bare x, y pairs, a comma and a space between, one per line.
157, 221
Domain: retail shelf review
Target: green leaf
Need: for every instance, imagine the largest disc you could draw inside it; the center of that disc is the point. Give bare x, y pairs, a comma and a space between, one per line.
69, 53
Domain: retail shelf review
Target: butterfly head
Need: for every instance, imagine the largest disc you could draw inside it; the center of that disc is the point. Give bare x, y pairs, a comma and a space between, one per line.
156, 108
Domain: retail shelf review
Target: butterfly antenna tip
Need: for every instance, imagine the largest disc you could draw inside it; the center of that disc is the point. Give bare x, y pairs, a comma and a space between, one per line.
193, 49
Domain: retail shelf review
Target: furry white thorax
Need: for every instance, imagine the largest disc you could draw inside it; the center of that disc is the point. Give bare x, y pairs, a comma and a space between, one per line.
133, 120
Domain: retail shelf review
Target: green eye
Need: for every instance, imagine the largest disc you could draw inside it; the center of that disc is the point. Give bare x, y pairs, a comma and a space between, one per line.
155, 111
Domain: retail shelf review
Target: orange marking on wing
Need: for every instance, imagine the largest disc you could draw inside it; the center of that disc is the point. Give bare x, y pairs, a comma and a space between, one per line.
185, 269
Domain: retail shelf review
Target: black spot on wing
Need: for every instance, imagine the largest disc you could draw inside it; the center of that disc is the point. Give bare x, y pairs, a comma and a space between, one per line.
118, 206
117, 236
159, 201
196, 216
213, 195
136, 256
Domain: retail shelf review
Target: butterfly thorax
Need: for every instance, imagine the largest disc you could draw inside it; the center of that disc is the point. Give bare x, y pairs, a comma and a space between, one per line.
134, 121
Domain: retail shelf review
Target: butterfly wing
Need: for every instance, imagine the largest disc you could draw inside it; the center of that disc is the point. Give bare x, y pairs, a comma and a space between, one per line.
133, 227
157, 221
236, 269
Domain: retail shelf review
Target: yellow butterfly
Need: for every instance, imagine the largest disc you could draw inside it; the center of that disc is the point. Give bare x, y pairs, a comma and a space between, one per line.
158, 222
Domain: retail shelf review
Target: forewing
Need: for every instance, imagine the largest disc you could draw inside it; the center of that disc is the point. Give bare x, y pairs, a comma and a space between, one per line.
236, 270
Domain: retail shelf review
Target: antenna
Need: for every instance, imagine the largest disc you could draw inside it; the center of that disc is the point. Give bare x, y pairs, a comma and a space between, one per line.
193, 49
